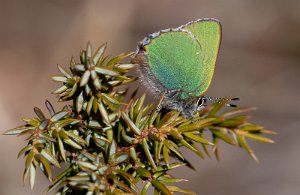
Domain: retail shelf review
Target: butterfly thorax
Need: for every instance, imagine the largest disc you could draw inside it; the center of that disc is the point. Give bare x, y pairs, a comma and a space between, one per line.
188, 107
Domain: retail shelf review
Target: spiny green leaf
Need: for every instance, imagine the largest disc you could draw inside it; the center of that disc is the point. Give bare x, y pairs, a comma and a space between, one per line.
139, 104
198, 152
60, 79
110, 99
138, 119
95, 105
124, 67
123, 186
197, 138
169, 118
63, 71
175, 134
94, 124
50, 107
158, 152
268, 132
59, 115
24, 150
47, 169
29, 159
32, 172
73, 144
238, 111
128, 180
244, 144
79, 102
80, 178
148, 153
173, 147
80, 67
103, 111
259, 138
74, 136
189, 146
103, 61
145, 188
161, 187
85, 78
172, 180
83, 56
44, 124
61, 89
251, 127
118, 58
133, 154
166, 154
35, 122
177, 189
218, 133
87, 165
17, 130
130, 123
234, 121
58, 180
88, 155
143, 172
61, 148
106, 71
72, 92
66, 122
39, 113
112, 150
99, 53
216, 107
127, 138
216, 147
121, 159
94, 74
46, 154
25, 174
97, 83
197, 125
89, 50
155, 111
87, 90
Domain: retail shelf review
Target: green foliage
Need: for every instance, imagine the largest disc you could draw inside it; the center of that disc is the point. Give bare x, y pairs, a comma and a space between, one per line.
110, 146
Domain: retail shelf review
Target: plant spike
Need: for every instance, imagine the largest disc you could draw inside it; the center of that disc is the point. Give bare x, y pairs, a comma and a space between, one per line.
109, 146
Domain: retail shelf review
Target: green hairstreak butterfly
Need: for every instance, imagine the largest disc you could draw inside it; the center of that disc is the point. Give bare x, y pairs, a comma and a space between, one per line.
180, 63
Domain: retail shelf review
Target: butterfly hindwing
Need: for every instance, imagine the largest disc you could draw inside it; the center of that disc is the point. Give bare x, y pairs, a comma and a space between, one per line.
173, 58
208, 33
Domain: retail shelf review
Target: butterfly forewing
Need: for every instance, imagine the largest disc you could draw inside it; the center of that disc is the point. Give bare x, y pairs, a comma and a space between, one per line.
173, 58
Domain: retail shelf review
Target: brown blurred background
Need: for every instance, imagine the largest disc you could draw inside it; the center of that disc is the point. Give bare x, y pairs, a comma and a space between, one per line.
259, 62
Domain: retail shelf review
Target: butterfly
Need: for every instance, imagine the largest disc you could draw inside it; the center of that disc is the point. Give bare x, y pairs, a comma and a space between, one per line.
180, 63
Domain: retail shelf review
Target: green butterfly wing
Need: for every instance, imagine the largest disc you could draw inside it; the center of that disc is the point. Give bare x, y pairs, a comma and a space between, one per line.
208, 33
173, 58
184, 59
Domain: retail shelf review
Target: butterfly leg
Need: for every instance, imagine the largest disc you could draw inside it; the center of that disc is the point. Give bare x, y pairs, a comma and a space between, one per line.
170, 101
170, 94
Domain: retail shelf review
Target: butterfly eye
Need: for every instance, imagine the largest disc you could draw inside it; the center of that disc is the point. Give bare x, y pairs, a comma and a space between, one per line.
200, 102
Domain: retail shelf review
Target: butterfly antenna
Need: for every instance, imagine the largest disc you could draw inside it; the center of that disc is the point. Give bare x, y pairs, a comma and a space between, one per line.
220, 100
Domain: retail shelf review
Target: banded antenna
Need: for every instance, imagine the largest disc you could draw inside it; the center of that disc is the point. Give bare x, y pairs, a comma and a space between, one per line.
220, 100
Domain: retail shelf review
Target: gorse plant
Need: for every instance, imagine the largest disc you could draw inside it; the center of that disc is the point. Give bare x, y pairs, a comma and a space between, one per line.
109, 146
